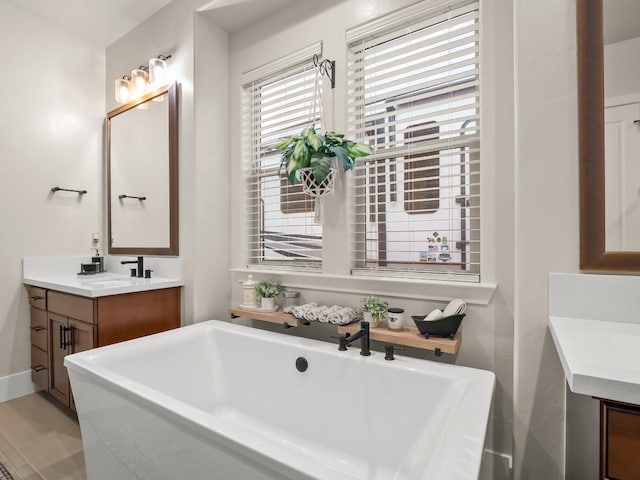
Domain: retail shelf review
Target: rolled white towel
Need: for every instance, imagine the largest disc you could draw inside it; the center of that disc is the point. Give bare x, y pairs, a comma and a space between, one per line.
318, 314
331, 314
434, 315
334, 314
303, 311
455, 307
342, 316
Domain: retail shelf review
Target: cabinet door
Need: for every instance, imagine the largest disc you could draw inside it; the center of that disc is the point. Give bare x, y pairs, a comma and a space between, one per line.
133, 315
621, 442
58, 380
82, 336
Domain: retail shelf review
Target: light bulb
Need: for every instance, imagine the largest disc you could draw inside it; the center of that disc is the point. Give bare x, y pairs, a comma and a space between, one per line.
139, 82
157, 72
122, 89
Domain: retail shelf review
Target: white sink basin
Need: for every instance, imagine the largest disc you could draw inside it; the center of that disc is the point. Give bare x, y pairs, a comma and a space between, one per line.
110, 283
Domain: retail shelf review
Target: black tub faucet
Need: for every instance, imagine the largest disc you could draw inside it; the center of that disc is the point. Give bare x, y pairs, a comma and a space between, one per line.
363, 335
139, 262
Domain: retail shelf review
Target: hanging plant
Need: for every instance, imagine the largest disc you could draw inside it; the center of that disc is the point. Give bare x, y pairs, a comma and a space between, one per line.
315, 152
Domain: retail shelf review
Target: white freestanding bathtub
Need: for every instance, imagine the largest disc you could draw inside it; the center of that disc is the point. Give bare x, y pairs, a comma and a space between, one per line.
221, 401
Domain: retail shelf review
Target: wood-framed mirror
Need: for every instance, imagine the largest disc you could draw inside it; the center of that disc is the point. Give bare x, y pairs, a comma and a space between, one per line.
609, 203
142, 175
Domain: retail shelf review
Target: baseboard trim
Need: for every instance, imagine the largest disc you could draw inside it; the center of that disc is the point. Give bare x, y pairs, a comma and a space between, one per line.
506, 458
496, 466
16, 385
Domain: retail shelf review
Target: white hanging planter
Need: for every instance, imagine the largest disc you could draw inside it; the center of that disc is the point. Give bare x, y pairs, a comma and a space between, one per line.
311, 188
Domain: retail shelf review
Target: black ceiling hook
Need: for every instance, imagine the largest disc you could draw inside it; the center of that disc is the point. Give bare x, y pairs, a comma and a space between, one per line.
327, 67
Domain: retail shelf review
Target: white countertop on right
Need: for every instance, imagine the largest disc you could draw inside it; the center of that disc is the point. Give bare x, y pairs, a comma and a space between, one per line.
600, 358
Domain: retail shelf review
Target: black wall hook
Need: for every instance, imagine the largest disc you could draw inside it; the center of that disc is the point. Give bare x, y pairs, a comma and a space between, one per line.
131, 196
58, 189
327, 67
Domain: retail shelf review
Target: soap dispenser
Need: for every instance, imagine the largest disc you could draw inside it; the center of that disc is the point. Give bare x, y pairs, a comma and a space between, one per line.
249, 294
97, 258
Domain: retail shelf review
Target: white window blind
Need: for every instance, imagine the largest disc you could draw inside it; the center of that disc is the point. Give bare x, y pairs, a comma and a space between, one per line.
281, 226
414, 97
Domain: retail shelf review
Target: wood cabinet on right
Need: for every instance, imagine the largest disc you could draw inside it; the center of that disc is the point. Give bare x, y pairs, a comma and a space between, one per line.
619, 441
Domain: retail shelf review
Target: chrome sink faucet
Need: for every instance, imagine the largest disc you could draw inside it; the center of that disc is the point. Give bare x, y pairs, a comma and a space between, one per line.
140, 264
363, 335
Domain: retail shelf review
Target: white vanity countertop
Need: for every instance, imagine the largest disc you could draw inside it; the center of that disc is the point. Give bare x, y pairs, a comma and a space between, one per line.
101, 284
595, 324
599, 358
60, 273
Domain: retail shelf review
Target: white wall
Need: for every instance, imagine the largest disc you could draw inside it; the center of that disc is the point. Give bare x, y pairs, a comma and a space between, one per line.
212, 163
546, 223
51, 130
488, 329
199, 53
621, 68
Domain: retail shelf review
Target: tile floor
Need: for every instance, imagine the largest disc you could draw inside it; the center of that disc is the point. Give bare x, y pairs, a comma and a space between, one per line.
40, 440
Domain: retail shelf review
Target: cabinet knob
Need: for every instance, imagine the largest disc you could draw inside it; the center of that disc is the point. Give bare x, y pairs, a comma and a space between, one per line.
37, 328
36, 297
38, 368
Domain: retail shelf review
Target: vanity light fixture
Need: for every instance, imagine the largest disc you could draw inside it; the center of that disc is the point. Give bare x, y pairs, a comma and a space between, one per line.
139, 81
142, 80
158, 74
158, 71
122, 89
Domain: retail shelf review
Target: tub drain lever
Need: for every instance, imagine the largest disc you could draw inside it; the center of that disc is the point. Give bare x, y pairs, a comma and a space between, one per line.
342, 341
389, 350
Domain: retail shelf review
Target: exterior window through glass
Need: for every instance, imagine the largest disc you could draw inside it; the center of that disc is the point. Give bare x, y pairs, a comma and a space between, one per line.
281, 227
414, 96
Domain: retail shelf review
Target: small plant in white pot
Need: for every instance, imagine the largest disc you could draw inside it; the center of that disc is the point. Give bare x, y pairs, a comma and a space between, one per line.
374, 310
267, 290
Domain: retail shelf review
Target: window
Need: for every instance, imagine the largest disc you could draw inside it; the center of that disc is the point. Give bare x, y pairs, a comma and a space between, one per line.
281, 217
414, 97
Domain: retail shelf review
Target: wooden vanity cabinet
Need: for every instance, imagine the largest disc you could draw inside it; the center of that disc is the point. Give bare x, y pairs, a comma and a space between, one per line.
619, 441
63, 324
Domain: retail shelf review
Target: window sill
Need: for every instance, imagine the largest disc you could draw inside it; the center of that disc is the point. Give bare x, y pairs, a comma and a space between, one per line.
409, 288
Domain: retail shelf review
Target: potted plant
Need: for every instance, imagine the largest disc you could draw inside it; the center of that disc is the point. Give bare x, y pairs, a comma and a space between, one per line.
373, 310
309, 157
267, 290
